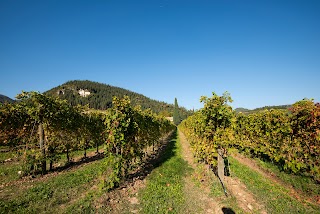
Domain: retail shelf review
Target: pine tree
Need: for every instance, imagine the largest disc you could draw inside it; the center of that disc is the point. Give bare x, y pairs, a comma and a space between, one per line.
176, 114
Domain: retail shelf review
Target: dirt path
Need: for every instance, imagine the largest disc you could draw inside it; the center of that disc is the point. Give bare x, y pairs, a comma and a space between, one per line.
197, 197
245, 199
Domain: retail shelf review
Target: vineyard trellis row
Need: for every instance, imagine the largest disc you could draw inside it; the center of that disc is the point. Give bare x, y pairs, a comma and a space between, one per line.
44, 128
290, 139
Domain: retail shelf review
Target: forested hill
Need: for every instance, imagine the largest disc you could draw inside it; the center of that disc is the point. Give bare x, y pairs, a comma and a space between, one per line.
248, 111
99, 96
4, 99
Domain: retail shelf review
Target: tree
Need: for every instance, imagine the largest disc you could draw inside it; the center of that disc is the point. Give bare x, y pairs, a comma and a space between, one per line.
176, 114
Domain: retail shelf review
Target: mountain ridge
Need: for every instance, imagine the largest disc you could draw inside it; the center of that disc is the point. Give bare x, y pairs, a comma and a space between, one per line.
99, 96
4, 99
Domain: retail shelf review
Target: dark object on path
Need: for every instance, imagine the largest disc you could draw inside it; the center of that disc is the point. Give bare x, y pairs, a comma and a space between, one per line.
227, 211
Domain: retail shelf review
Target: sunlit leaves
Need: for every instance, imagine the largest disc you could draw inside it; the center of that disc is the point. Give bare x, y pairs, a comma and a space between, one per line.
211, 127
290, 139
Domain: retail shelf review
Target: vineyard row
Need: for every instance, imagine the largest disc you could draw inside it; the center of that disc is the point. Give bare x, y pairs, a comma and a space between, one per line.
290, 139
45, 128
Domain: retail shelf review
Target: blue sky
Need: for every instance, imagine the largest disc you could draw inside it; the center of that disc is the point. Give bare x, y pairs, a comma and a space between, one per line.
262, 52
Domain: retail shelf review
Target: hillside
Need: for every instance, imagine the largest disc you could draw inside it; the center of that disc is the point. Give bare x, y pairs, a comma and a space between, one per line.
248, 111
99, 96
4, 99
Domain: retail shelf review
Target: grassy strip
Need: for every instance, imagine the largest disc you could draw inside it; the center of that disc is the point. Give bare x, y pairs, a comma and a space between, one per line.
49, 195
85, 204
164, 190
9, 170
274, 196
304, 184
6, 155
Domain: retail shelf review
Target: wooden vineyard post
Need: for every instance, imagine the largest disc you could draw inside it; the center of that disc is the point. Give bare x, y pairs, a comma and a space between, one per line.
220, 165
42, 148
221, 168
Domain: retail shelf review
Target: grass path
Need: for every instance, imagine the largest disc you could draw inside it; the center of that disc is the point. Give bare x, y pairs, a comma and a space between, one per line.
197, 184
164, 191
208, 192
179, 185
195, 189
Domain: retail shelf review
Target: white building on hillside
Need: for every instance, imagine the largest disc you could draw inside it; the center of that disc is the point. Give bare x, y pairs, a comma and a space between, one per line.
170, 119
84, 93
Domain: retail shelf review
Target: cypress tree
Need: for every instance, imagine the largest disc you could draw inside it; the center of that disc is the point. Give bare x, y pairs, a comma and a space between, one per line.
176, 115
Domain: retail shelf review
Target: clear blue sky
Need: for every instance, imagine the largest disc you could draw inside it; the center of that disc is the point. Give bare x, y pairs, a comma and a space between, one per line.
262, 52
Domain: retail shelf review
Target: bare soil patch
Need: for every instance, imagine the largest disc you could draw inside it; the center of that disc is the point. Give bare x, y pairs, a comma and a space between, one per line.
245, 198
122, 200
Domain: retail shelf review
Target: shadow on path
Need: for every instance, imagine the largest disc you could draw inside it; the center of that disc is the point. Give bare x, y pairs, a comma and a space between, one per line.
155, 160
74, 164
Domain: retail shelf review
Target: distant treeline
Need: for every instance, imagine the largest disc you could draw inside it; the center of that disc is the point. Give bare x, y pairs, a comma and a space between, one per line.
101, 97
248, 111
